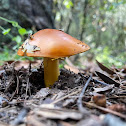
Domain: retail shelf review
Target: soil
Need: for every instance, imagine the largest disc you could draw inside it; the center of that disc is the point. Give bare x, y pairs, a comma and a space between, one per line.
24, 98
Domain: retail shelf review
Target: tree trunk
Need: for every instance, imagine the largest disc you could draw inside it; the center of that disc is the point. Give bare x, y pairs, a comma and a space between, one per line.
28, 13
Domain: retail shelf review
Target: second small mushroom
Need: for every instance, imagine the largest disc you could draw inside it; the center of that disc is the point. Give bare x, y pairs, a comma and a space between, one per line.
51, 44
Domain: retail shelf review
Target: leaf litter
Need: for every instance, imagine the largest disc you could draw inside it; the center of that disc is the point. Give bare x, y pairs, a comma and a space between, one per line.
75, 99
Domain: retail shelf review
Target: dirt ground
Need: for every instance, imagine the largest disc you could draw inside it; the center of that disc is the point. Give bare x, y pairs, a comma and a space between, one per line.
83, 98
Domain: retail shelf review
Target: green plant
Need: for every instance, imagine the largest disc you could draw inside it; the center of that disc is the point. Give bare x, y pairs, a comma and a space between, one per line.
22, 32
19, 38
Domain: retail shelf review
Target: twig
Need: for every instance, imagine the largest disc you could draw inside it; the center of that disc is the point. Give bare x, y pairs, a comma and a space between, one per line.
66, 96
12, 77
100, 82
28, 86
79, 101
93, 80
13, 94
115, 96
4, 109
106, 110
17, 88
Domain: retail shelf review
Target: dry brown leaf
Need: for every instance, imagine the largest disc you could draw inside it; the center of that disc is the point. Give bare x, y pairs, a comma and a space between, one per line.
104, 68
104, 89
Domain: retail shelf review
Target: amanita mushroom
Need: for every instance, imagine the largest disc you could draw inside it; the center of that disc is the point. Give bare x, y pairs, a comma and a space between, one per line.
51, 44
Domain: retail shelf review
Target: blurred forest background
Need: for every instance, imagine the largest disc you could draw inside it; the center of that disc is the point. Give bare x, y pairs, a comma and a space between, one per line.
99, 23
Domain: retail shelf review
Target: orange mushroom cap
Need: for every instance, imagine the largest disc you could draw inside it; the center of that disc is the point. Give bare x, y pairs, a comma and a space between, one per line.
52, 43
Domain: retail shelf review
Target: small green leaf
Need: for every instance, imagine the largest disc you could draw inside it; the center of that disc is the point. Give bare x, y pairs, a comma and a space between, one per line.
61, 66
22, 31
6, 31
17, 39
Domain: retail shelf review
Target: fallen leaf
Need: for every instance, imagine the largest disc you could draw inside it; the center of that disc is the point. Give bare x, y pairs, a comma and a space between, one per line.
68, 102
42, 93
107, 79
104, 68
104, 89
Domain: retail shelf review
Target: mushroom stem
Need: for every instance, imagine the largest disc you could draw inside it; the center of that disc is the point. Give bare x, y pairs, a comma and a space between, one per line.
51, 71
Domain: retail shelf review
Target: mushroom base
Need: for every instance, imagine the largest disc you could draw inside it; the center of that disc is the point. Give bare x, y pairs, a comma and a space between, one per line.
51, 71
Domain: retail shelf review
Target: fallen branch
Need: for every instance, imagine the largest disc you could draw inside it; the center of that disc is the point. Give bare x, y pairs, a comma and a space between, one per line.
106, 110
79, 101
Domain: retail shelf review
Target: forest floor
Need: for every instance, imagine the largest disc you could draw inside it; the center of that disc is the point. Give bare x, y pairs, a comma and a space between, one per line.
82, 97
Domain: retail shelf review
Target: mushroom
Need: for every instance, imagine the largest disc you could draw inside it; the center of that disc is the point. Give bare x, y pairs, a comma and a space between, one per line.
51, 44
